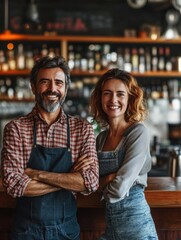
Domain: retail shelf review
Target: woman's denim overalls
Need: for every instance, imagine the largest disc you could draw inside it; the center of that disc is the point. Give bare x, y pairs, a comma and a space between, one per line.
129, 218
51, 216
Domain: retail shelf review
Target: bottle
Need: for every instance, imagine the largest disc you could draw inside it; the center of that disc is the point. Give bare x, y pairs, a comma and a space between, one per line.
114, 58
90, 60
97, 61
148, 60
3, 61
44, 50
164, 91
20, 57
134, 60
127, 60
71, 56
142, 62
29, 61
154, 60
155, 150
168, 62
155, 91
77, 61
51, 52
105, 56
120, 59
11, 60
175, 162
161, 59
10, 89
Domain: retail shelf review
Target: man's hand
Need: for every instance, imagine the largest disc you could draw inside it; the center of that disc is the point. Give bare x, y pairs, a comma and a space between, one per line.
33, 173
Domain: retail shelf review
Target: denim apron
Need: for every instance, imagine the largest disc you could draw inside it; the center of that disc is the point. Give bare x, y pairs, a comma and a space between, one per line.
129, 218
51, 216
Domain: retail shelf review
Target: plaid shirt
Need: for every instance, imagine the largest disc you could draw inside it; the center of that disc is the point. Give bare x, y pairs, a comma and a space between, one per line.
18, 141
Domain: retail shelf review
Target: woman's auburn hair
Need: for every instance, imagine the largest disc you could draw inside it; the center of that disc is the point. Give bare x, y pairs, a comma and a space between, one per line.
136, 110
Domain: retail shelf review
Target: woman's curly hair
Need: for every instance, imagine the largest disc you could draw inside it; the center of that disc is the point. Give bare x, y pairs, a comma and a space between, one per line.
136, 110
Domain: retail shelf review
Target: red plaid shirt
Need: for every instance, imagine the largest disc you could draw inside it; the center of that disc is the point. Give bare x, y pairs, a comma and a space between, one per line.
18, 141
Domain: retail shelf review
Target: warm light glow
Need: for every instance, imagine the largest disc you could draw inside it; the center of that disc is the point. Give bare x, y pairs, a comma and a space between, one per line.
10, 46
154, 36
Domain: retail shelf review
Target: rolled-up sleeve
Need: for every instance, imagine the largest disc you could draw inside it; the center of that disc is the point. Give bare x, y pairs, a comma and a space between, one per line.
90, 176
137, 155
12, 164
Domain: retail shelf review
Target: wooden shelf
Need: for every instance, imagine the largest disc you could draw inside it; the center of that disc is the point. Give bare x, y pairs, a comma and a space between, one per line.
15, 72
15, 99
119, 39
136, 74
97, 73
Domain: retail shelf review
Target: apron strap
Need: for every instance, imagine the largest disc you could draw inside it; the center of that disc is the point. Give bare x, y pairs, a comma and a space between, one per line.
34, 134
68, 133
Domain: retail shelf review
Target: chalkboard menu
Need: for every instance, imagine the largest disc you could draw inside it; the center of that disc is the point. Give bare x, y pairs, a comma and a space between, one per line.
80, 17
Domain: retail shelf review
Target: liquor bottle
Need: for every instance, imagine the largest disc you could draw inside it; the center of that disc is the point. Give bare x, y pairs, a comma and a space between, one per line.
105, 56
120, 59
164, 91
155, 91
20, 57
90, 60
154, 60
29, 61
9, 86
77, 64
148, 59
71, 56
127, 60
98, 63
84, 64
134, 60
2, 87
11, 60
51, 52
44, 50
161, 59
168, 62
142, 61
114, 59
3, 62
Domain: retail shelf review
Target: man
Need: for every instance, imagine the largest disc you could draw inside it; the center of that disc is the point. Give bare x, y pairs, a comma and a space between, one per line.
38, 154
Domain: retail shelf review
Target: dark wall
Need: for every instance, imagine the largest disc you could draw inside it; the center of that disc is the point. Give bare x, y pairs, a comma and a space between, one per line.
102, 17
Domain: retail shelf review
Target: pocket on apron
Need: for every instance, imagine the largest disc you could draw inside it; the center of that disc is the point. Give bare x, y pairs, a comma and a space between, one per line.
70, 229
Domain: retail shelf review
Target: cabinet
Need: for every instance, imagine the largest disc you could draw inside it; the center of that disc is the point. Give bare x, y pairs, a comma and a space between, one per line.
160, 85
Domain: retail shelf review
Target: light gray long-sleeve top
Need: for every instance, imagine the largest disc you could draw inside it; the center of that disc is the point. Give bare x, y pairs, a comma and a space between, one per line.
135, 161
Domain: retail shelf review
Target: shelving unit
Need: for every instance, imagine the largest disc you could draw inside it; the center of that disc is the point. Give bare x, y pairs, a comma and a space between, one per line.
78, 75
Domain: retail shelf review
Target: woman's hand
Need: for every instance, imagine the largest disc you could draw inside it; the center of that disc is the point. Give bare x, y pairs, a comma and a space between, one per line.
82, 164
105, 180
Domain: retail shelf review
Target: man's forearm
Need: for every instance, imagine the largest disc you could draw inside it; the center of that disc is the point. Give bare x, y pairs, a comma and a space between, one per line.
70, 181
35, 188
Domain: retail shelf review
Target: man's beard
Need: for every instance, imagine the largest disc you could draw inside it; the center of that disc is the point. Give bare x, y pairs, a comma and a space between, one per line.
49, 105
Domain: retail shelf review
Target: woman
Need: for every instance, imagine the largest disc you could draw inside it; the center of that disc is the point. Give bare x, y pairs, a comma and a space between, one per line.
124, 156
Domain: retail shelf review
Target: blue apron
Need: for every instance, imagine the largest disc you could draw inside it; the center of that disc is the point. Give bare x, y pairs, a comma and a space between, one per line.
53, 215
129, 218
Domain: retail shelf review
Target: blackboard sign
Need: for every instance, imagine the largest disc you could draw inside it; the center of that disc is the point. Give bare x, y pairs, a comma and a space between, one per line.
103, 17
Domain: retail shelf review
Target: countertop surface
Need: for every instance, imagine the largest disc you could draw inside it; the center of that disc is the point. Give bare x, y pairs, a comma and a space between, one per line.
161, 192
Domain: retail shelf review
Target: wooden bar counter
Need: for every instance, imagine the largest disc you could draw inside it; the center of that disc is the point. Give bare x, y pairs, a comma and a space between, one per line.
163, 195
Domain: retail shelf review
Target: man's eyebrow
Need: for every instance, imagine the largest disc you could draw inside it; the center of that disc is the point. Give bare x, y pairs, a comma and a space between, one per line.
42, 79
